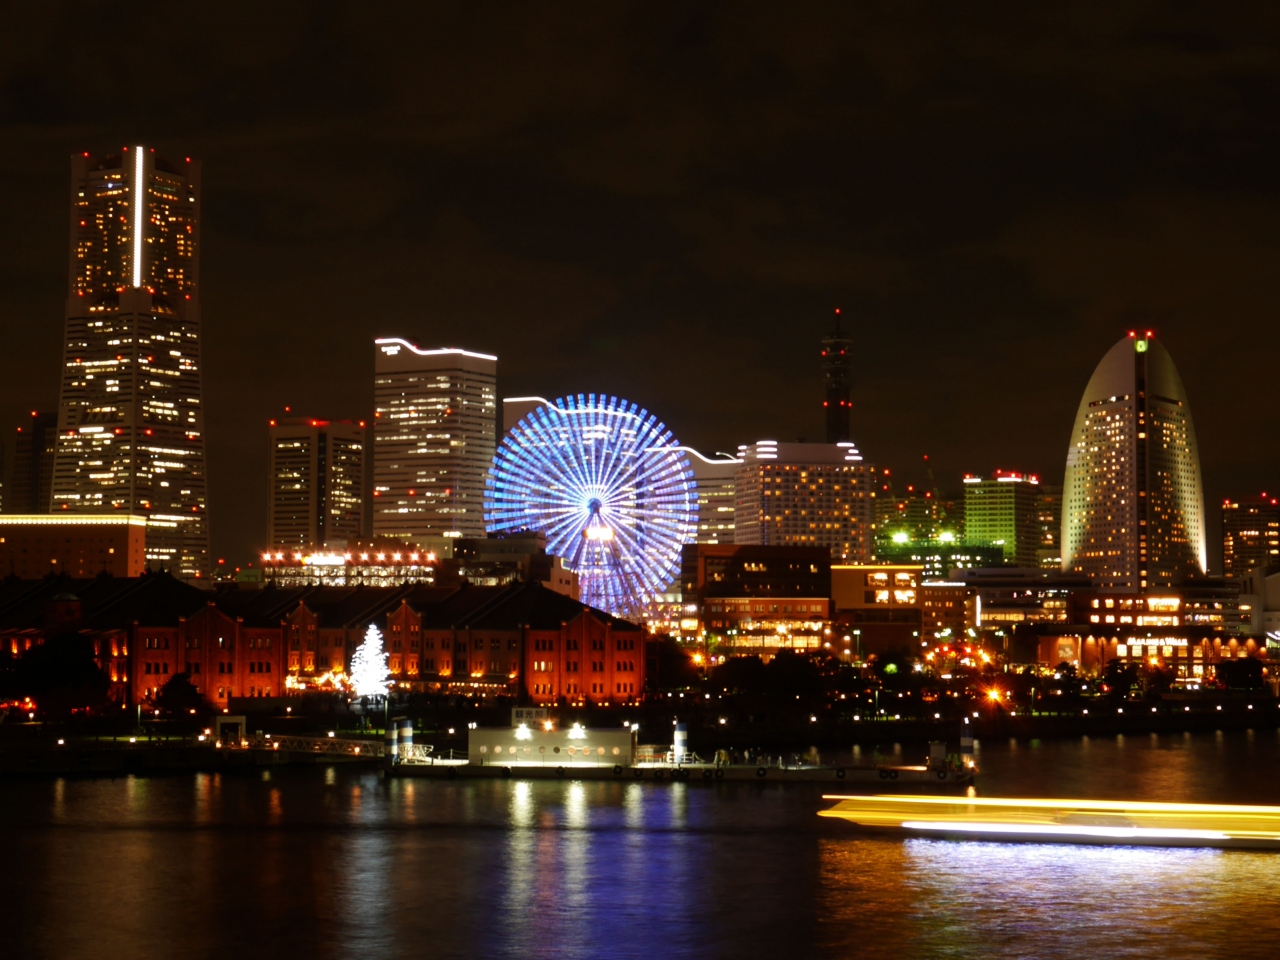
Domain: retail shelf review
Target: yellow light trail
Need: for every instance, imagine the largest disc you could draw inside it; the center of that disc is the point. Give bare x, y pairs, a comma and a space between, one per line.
1067, 820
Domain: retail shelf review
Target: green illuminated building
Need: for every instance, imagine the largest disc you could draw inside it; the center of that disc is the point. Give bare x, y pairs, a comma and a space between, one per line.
1003, 511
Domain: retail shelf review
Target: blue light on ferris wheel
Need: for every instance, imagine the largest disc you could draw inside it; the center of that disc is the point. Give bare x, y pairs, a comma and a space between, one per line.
609, 487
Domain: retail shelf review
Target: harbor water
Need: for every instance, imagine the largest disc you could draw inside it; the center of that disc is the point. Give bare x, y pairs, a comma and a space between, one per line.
334, 862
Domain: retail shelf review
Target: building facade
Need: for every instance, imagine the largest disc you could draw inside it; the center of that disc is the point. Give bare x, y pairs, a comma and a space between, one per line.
940, 558
1187, 630
131, 418
806, 495
880, 606
1133, 501
1250, 534
1003, 510
316, 482
1260, 607
434, 439
1049, 519
755, 600
837, 378
31, 482
716, 493
37, 545
520, 641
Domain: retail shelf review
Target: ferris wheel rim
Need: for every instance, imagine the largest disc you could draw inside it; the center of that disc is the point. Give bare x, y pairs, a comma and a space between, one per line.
555, 464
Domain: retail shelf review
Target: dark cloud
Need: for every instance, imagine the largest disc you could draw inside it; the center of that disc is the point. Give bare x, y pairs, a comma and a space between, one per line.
666, 201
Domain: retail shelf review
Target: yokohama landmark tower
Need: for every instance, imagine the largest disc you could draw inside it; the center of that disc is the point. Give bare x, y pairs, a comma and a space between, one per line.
130, 421
1132, 501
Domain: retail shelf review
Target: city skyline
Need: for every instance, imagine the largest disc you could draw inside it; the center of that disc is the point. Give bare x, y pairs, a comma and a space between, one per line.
554, 481
588, 237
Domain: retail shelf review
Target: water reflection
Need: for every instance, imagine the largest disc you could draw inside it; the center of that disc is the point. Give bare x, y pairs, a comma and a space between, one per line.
335, 863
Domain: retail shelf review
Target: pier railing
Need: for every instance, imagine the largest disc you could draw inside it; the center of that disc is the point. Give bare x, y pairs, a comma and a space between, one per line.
322, 745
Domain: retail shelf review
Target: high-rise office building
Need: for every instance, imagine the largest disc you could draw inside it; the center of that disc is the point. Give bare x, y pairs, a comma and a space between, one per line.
806, 494
715, 479
1250, 534
1049, 518
31, 482
1001, 511
1132, 502
837, 354
130, 419
316, 481
433, 440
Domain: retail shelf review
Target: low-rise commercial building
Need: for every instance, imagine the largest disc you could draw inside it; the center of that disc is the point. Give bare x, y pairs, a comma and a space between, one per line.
78, 545
1260, 606
880, 606
748, 599
1188, 629
520, 640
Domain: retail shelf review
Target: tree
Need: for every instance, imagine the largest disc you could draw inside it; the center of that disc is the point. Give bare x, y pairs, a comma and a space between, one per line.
180, 696
675, 667
1243, 674
61, 675
369, 675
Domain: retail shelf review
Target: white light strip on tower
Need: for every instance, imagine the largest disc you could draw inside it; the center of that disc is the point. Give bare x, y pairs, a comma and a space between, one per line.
390, 346
139, 199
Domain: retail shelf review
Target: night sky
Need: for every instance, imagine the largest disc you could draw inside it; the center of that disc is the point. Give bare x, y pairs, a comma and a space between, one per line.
666, 202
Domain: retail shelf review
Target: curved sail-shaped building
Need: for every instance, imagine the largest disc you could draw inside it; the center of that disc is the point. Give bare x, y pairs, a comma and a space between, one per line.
1132, 499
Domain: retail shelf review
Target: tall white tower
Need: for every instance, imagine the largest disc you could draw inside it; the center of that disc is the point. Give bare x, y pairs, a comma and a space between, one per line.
130, 420
1132, 500
434, 435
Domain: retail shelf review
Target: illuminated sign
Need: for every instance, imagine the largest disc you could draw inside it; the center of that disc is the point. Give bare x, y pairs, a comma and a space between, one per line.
139, 202
1158, 641
324, 560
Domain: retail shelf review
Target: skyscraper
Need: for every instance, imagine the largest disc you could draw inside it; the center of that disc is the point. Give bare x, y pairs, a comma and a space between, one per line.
1250, 534
130, 419
317, 482
30, 485
1133, 503
1001, 510
806, 494
837, 352
433, 440
716, 494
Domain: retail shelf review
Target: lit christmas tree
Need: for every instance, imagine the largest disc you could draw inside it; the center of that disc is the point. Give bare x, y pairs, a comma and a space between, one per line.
369, 676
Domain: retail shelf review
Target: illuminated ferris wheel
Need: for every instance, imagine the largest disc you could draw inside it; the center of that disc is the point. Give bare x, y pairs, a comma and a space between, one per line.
607, 484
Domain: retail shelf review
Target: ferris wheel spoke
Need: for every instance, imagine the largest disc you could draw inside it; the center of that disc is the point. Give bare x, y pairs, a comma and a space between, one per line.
593, 447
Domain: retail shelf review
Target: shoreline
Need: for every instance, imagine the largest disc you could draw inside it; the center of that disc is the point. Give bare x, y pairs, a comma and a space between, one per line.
45, 757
